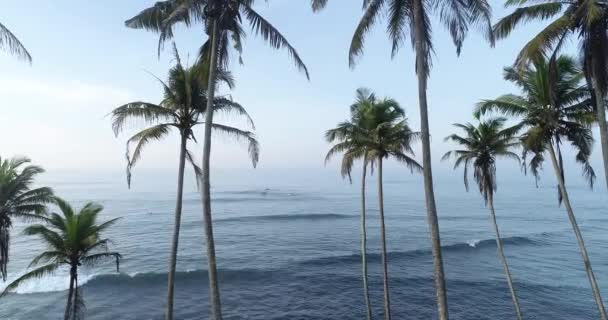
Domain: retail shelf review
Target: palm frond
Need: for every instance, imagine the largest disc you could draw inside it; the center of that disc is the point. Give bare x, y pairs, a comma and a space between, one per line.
276, 40
240, 135
10, 43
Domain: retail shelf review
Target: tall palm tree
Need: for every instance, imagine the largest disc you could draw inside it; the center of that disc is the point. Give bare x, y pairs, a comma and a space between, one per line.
412, 18
73, 239
348, 137
481, 145
183, 106
390, 137
555, 108
9, 42
378, 130
223, 23
18, 200
585, 20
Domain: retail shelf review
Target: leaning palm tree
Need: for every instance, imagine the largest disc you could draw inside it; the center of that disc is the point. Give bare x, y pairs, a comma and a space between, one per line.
555, 108
183, 106
348, 137
18, 200
412, 18
585, 20
223, 23
73, 239
480, 147
9, 42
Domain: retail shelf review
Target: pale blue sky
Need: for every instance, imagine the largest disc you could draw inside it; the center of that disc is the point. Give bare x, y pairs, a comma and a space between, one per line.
86, 63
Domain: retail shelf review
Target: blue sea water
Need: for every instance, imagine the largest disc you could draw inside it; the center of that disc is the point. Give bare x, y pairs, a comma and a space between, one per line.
288, 248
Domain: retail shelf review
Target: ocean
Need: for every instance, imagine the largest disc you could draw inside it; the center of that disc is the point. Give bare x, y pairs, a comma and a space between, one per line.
288, 248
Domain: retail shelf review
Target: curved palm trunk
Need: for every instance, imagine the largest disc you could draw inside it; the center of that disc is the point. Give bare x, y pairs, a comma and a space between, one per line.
601, 120
176, 227
431, 210
387, 301
579, 237
368, 304
68, 305
214, 290
503, 259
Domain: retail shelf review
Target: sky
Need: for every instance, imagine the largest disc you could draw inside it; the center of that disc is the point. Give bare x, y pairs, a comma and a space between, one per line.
86, 63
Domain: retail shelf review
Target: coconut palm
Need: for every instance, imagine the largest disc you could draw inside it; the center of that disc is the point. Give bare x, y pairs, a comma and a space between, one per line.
480, 147
583, 20
223, 22
183, 106
73, 239
555, 108
347, 136
9, 42
18, 200
378, 130
412, 18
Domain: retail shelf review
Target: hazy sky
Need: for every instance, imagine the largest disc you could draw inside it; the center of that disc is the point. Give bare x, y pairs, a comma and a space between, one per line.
85, 63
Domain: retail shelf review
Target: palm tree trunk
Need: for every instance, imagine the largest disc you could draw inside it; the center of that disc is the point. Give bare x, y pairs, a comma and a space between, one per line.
387, 301
75, 303
68, 304
368, 304
501, 256
579, 237
431, 210
601, 120
176, 226
214, 290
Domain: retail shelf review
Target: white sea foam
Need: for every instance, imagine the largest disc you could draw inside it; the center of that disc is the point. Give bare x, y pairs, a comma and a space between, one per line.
51, 283
473, 243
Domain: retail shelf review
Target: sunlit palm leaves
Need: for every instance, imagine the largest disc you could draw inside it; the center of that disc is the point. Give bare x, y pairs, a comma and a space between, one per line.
182, 108
18, 200
72, 239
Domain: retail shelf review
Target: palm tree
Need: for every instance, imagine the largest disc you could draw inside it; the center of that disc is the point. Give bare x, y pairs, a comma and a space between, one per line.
348, 136
412, 18
378, 130
223, 22
73, 239
585, 20
183, 106
9, 42
480, 147
554, 108
18, 200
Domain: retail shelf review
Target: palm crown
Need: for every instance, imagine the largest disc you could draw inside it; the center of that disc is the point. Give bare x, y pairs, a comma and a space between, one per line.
72, 238
164, 15
481, 145
184, 103
457, 17
553, 109
377, 129
18, 200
